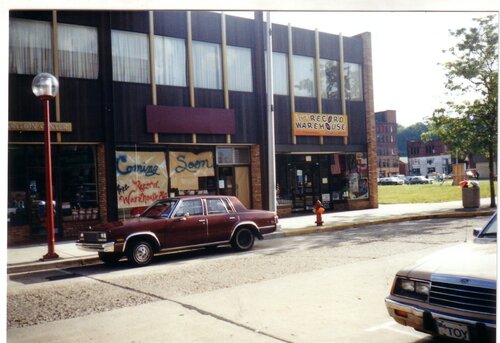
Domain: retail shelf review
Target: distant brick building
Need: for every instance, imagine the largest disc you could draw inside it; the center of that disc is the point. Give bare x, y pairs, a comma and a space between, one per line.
425, 158
387, 143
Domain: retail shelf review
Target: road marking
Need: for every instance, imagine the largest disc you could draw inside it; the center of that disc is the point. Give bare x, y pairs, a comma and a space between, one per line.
390, 326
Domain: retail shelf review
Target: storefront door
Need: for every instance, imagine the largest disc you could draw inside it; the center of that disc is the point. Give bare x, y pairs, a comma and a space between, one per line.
243, 185
235, 181
306, 190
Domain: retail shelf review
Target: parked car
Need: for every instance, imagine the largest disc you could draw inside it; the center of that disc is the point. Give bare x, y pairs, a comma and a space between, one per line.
419, 180
402, 177
179, 222
390, 181
451, 293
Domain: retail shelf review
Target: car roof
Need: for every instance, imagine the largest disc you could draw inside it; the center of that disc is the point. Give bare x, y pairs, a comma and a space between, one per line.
196, 196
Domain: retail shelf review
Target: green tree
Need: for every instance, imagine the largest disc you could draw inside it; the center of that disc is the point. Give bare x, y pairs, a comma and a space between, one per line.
471, 126
405, 134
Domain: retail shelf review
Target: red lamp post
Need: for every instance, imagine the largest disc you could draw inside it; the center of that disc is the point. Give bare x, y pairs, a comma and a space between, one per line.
45, 87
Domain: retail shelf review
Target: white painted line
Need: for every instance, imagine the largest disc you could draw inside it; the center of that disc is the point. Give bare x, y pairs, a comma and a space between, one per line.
408, 333
390, 326
381, 326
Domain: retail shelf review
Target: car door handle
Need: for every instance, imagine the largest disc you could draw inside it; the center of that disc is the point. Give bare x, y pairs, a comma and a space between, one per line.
232, 218
202, 221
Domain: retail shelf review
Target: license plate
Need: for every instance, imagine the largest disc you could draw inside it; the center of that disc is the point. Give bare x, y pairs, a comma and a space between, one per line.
453, 330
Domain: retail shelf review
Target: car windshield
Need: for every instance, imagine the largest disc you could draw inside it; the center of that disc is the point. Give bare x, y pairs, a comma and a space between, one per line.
491, 228
160, 209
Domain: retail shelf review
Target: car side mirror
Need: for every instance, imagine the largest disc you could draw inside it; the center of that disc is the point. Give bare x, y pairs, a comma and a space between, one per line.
476, 231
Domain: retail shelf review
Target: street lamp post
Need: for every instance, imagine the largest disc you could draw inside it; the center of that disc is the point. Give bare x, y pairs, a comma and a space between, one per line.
45, 87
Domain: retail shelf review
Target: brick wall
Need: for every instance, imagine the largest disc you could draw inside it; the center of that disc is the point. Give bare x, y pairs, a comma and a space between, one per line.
102, 188
256, 186
370, 119
18, 235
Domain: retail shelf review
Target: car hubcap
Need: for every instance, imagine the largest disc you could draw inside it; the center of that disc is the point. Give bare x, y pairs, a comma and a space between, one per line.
244, 238
142, 253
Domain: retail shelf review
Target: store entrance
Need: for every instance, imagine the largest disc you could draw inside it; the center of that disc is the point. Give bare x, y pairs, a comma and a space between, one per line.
235, 181
305, 180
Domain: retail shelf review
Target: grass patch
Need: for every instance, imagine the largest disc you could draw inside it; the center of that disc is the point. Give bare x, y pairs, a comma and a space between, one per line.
407, 194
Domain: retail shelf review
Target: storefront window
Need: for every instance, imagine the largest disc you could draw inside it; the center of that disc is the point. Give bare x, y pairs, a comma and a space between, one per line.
332, 179
189, 170
349, 176
74, 185
78, 183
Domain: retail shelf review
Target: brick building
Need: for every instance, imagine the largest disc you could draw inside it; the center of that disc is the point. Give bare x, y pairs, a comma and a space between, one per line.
156, 103
387, 143
426, 158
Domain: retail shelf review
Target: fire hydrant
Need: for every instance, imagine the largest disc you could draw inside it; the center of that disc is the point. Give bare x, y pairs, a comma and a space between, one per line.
319, 210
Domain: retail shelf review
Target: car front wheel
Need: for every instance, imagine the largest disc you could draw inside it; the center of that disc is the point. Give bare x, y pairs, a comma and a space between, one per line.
140, 254
243, 240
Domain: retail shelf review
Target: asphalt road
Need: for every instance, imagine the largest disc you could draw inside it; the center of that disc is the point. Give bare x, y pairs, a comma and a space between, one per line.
313, 288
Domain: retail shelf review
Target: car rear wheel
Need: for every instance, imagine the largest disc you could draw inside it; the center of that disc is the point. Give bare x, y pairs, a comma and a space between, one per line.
140, 254
243, 240
109, 258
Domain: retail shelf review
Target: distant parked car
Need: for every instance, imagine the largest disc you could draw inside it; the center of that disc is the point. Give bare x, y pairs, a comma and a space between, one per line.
402, 177
451, 293
179, 223
419, 180
391, 180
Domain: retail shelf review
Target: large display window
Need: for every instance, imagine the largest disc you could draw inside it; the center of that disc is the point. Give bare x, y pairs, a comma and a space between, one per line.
330, 178
74, 185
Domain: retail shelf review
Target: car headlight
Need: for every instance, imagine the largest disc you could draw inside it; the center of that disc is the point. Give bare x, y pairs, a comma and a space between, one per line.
422, 288
102, 236
411, 288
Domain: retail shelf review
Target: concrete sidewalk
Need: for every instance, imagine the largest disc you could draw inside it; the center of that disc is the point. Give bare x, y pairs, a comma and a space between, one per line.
27, 258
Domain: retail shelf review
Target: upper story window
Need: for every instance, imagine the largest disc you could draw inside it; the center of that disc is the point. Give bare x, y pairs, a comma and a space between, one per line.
130, 52
78, 53
329, 76
239, 69
30, 47
353, 81
207, 65
280, 73
170, 61
303, 76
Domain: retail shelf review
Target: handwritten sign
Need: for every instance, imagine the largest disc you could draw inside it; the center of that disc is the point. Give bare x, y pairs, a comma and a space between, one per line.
315, 124
187, 167
141, 178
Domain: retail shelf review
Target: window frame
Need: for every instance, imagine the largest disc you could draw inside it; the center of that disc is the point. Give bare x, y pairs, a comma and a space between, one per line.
200, 65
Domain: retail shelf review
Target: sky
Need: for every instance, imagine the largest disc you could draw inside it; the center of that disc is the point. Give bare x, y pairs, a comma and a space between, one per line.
407, 50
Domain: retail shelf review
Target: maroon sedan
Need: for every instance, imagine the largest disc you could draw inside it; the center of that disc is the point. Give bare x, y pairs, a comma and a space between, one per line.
179, 223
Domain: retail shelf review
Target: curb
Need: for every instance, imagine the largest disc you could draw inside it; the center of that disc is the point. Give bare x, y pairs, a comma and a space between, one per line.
328, 228
36, 266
